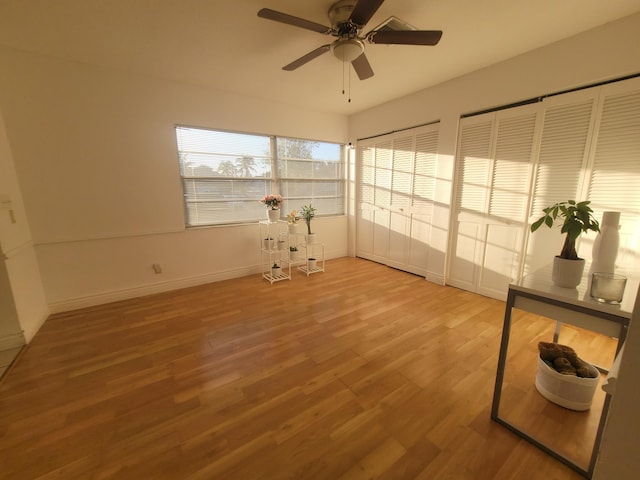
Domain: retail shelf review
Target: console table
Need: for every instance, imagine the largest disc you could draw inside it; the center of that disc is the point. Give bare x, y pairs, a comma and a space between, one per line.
536, 294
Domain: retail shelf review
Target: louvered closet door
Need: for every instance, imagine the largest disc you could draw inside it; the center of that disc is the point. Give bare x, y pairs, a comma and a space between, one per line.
396, 187
568, 123
614, 180
366, 199
473, 170
493, 176
422, 201
374, 198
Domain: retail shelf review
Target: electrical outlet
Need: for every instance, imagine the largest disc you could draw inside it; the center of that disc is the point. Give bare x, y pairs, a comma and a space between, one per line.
157, 268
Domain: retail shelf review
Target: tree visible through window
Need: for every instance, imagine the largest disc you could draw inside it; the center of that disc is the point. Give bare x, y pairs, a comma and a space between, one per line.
224, 175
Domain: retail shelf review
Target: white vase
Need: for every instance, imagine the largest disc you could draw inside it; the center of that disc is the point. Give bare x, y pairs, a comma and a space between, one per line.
606, 244
567, 273
293, 227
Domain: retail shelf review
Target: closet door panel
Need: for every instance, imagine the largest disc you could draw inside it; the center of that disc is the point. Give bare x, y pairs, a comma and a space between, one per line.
418, 251
495, 155
398, 240
505, 223
501, 260
380, 236
560, 167
364, 238
462, 270
473, 174
614, 183
366, 196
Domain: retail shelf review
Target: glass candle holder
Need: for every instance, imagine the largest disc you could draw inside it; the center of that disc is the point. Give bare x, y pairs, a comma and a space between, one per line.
607, 287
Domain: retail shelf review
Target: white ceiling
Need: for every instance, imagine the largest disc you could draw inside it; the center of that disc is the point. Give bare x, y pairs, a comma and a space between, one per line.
225, 45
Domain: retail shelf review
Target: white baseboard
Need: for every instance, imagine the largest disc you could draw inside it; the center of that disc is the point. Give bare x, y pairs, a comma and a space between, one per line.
143, 290
12, 340
434, 278
126, 294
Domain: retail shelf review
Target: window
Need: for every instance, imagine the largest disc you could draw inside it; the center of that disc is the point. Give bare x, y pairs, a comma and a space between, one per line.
225, 174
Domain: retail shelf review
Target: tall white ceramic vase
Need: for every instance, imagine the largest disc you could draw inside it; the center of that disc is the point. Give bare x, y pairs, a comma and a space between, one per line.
606, 244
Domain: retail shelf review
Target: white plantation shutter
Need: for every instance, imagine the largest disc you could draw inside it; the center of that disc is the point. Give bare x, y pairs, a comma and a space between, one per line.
402, 172
367, 174
615, 174
474, 166
510, 182
562, 156
383, 175
424, 178
615, 177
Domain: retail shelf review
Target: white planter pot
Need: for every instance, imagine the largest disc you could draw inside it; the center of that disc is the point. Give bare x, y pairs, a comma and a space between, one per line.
568, 391
293, 228
310, 238
273, 215
293, 256
567, 273
311, 263
281, 244
268, 243
276, 272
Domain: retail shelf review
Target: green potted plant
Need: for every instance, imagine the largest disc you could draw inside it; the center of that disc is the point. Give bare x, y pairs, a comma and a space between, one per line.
576, 218
293, 253
308, 212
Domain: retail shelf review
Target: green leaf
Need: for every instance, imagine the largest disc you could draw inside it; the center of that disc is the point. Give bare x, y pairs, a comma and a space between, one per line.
537, 224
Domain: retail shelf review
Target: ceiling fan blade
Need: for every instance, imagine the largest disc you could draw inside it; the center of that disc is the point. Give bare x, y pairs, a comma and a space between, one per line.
362, 67
307, 58
364, 10
405, 37
291, 20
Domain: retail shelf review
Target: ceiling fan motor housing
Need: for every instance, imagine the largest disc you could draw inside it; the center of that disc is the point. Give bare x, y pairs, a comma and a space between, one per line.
347, 49
340, 12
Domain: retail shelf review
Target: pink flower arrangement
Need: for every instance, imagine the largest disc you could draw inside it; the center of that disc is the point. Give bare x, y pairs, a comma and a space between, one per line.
272, 201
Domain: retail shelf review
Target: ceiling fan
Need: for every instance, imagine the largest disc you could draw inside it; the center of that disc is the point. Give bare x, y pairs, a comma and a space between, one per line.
348, 18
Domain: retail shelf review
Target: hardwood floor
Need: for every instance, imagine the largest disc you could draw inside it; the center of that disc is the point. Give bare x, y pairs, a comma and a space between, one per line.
358, 372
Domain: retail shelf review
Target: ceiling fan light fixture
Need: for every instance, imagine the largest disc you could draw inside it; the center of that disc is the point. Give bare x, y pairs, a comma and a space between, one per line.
347, 49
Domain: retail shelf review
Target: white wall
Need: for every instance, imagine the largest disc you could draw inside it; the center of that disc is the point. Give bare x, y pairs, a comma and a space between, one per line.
95, 154
604, 53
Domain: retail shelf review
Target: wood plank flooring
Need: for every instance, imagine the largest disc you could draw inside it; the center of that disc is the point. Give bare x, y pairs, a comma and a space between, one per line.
359, 372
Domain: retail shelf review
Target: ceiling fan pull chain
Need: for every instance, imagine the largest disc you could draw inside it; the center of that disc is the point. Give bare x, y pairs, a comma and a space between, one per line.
349, 86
